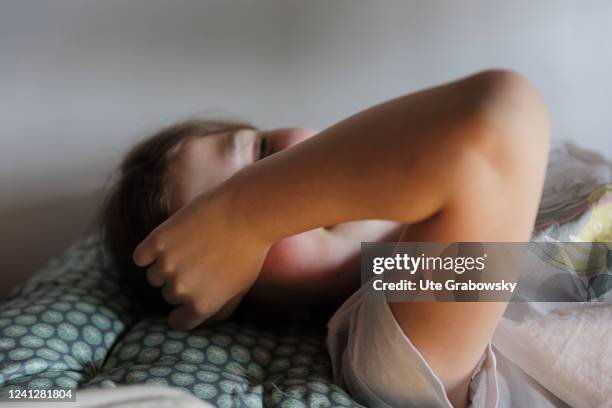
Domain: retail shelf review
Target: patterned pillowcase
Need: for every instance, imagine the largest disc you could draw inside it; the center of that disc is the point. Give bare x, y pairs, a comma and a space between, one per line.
72, 326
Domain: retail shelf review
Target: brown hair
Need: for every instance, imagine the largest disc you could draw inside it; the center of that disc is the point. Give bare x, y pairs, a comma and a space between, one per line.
139, 200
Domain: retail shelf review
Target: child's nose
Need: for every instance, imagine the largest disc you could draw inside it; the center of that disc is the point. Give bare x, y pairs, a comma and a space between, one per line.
287, 137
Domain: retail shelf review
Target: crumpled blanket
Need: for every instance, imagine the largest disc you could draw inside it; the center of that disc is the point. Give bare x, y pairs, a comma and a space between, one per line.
567, 347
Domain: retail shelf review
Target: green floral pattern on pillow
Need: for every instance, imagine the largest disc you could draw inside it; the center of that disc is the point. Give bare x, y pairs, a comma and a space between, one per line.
72, 326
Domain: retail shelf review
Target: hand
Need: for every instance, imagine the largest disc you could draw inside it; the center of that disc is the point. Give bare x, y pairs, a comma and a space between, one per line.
204, 258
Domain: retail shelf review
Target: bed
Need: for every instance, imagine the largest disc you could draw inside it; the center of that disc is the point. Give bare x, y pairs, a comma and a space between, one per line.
73, 326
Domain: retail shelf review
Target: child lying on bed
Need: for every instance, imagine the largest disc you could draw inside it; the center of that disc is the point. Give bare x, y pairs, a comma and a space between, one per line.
279, 216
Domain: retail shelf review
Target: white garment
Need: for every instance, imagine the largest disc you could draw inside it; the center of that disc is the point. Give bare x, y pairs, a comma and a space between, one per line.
379, 366
542, 354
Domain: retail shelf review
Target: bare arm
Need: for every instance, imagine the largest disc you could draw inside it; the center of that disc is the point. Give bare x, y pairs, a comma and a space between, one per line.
371, 165
472, 148
427, 159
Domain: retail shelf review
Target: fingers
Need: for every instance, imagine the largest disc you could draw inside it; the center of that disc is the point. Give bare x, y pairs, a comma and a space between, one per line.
159, 278
226, 311
185, 317
155, 275
170, 295
145, 253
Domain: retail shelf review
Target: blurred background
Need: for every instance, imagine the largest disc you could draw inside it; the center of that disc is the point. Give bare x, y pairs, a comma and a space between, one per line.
82, 80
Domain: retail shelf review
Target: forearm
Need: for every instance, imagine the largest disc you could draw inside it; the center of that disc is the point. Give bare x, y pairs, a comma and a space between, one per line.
394, 161
437, 152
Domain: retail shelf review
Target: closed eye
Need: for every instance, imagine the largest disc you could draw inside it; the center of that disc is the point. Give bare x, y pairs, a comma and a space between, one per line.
263, 148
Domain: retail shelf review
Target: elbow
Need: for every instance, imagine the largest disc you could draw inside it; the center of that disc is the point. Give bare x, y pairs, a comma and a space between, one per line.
509, 119
508, 94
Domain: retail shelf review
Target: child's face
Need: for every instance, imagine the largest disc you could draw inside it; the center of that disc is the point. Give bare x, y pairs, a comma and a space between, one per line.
204, 162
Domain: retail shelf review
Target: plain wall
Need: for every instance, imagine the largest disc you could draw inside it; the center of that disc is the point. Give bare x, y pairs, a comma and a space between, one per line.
81, 80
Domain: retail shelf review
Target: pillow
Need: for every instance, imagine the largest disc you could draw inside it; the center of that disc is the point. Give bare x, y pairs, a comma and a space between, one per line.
72, 325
